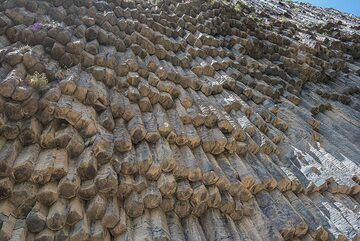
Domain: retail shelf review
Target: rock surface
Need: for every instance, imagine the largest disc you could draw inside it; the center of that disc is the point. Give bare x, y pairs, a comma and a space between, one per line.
179, 120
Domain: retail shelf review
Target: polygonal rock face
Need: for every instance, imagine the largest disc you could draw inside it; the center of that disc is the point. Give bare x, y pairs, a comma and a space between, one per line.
180, 120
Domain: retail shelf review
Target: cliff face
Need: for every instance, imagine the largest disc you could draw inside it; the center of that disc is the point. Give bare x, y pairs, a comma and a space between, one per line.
188, 120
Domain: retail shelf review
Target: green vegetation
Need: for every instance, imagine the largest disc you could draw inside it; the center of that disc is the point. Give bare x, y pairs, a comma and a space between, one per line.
212, 2
254, 17
239, 6
38, 81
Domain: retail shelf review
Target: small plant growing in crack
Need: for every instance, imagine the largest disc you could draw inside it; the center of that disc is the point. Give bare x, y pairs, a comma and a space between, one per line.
60, 74
38, 81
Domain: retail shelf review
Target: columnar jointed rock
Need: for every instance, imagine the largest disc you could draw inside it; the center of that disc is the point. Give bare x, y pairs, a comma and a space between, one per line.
180, 120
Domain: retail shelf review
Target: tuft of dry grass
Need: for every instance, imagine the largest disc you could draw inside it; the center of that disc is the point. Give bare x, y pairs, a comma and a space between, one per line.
60, 74
38, 81
24, 47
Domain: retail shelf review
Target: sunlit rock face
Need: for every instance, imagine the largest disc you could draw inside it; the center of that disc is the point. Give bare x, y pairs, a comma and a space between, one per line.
178, 120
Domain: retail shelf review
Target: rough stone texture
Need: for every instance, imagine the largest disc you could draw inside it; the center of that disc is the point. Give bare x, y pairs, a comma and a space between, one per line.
180, 120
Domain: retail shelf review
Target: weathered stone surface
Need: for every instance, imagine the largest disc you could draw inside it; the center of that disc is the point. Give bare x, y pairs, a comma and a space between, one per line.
48, 194
186, 120
106, 180
121, 136
36, 218
24, 163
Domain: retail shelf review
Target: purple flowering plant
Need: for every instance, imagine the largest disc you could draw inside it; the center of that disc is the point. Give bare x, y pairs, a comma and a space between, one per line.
36, 27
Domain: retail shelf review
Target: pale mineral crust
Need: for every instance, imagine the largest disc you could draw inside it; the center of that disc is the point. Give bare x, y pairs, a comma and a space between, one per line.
179, 120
